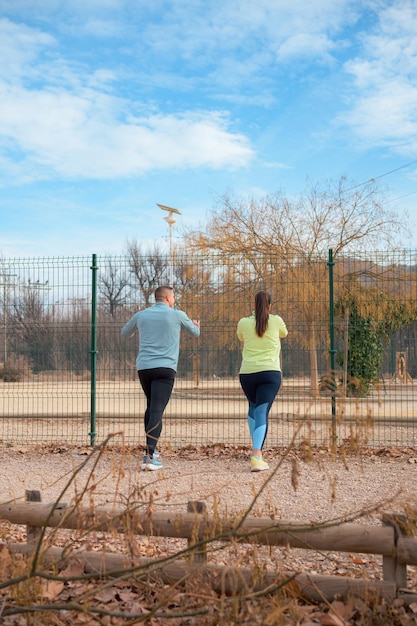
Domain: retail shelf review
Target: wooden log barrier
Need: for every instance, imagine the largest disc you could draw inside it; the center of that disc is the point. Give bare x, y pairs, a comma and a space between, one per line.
199, 529
226, 580
346, 537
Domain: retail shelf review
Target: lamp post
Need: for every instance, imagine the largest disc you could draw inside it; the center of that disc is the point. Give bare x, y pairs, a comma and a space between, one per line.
170, 219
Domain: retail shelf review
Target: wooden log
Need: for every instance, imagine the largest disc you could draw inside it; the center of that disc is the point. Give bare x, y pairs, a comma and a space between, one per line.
199, 553
318, 587
33, 533
225, 580
407, 550
392, 568
343, 537
408, 597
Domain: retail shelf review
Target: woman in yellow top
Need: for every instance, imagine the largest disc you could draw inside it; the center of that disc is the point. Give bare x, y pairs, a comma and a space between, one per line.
260, 372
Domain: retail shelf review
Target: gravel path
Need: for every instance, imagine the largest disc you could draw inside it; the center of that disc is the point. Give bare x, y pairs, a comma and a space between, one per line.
327, 488
221, 477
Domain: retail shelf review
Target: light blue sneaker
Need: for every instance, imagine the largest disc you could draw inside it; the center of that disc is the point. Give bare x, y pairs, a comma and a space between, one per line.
156, 455
150, 464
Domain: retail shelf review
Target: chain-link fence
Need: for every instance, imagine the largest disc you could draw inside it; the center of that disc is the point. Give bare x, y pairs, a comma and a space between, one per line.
349, 361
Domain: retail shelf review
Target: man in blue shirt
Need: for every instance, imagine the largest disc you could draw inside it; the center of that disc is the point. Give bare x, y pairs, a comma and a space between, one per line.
159, 328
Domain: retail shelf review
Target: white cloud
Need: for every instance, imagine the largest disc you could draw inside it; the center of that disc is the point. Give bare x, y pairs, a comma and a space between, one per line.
389, 115
384, 109
59, 117
308, 45
66, 123
218, 30
81, 136
20, 45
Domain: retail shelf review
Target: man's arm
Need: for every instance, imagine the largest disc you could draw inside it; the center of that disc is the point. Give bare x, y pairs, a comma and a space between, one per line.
191, 326
129, 328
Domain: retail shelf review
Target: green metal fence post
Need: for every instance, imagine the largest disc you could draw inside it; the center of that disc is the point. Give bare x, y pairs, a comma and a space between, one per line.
93, 351
332, 350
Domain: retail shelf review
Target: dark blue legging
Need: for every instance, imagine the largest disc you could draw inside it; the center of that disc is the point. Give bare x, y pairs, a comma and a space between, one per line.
260, 389
157, 384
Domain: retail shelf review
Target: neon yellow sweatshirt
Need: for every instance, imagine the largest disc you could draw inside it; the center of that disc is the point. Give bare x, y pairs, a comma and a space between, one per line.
261, 353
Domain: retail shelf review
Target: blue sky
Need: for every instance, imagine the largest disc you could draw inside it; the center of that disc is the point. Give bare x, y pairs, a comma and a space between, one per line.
108, 107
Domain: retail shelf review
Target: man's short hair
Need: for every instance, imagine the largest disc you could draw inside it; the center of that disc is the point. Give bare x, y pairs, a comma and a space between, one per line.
162, 292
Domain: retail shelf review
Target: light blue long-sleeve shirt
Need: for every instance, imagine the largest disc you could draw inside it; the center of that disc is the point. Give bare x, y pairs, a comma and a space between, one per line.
159, 329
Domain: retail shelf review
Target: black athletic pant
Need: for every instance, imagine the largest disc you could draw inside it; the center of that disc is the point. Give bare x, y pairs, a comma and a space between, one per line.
157, 384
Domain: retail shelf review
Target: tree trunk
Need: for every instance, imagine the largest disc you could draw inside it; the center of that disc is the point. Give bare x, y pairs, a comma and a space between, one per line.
314, 371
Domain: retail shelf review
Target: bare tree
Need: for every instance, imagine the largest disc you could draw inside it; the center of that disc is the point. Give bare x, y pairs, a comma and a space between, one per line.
31, 323
149, 269
112, 286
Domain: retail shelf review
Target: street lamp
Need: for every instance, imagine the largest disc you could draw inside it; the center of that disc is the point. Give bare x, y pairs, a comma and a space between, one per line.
170, 219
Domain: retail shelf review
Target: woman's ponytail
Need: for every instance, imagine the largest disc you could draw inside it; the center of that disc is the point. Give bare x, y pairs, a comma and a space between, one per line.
262, 306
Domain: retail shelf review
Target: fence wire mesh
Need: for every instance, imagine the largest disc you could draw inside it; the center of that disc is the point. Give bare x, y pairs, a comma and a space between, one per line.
369, 397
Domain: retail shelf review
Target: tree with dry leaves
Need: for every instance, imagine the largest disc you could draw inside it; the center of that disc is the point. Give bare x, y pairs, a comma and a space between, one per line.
294, 235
